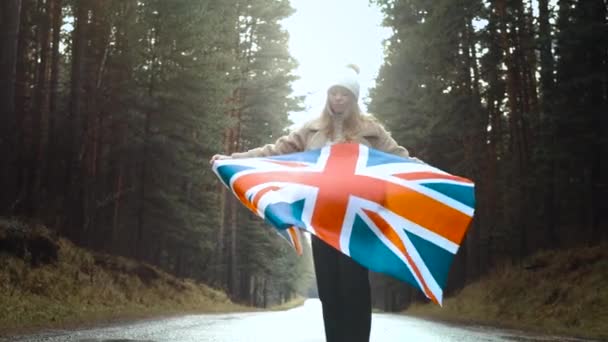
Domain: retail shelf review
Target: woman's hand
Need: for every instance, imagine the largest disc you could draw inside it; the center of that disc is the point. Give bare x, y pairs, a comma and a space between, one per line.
218, 157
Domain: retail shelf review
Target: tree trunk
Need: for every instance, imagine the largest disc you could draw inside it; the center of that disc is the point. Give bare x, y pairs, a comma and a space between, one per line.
10, 10
596, 11
118, 190
264, 292
143, 167
41, 111
517, 126
546, 124
545, 41
491, 195
473, 138
73, 179
143, 162
251, 292
219, 257
120, 176
231, 144
529, 124
233, 224
93, 125
52, 167
23, 85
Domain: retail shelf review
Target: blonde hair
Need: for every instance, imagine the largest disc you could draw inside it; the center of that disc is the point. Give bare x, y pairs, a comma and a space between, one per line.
353, 121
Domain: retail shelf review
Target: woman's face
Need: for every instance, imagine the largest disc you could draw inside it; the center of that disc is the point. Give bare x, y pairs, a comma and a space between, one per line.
340, 99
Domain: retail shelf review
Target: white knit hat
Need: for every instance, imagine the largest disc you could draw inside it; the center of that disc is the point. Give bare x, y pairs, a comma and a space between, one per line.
348, 78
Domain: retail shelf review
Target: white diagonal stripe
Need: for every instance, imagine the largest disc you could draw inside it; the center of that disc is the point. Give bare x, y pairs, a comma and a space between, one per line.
409, 246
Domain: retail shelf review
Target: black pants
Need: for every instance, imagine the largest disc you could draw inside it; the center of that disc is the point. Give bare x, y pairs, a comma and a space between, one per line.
345, 294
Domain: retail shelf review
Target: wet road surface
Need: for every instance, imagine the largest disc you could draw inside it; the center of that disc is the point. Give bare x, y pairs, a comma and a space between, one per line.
302, 324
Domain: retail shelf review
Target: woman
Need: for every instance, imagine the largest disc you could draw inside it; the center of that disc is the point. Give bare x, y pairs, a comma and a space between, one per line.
343, 284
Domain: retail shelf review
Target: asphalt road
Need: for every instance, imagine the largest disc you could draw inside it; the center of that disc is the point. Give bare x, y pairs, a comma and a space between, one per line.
296, 325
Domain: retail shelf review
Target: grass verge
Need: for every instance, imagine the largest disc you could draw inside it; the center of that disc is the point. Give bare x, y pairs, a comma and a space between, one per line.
559, 292
61, 285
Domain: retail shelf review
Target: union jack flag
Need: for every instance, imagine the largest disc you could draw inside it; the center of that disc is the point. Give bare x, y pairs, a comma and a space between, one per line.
391, 214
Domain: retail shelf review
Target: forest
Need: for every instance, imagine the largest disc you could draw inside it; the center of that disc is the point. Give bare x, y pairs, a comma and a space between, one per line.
110, 113
111, 110
514, 95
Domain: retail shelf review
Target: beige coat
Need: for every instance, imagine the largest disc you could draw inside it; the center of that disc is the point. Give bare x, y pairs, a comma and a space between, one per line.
310, 136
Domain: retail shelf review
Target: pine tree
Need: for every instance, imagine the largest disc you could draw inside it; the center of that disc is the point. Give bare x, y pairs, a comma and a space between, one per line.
10, 14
